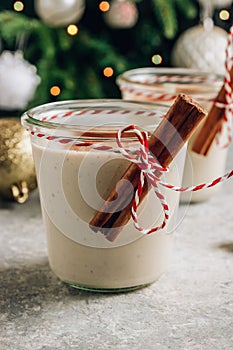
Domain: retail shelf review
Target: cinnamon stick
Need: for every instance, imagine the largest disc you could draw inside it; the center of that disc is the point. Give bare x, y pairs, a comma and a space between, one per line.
212, 124
156, 145
169, 137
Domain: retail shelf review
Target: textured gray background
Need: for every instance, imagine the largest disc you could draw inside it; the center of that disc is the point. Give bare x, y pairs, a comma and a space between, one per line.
190, 307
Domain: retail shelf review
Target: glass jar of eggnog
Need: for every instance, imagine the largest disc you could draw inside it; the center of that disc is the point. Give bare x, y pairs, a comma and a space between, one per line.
163, 85
77, 165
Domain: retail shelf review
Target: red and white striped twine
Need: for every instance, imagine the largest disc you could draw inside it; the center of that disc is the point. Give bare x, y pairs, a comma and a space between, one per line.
148, 165
174, 78
228, 106
88, 111
149, 95
160, 97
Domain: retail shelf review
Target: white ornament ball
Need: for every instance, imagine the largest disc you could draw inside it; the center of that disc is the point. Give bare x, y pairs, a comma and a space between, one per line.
216, 3
18, 81
121, 15
59, 13
201, 48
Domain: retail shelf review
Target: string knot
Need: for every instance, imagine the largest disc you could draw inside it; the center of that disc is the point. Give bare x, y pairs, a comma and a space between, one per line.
150, 169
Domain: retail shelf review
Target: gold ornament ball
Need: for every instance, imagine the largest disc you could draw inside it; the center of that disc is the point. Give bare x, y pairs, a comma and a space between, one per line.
17, 171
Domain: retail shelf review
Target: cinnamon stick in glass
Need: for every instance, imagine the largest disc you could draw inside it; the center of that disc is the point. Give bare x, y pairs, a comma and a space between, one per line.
174, 130
212, 124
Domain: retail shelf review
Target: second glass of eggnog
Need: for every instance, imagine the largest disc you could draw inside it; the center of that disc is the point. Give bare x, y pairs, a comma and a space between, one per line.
162, 85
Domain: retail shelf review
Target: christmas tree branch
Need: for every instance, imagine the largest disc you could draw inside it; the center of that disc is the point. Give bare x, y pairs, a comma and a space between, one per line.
76, 63
165, 12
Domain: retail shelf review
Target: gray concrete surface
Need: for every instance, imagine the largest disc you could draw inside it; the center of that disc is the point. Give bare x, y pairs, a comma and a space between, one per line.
190, 307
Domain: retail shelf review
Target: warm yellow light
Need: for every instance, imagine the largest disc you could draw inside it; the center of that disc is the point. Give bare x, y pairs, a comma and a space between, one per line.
55, 90
18, 6
156, 59
108, 72
72, 29
104, 6
224, 15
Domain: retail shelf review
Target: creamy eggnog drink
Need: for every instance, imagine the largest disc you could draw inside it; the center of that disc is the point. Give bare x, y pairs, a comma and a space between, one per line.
78, 164
162, 85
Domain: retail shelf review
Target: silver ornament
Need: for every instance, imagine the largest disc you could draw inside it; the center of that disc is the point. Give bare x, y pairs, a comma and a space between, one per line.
121, 15
201, 47
59, 13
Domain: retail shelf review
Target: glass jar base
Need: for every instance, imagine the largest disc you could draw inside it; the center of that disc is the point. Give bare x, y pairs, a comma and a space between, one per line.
105, 290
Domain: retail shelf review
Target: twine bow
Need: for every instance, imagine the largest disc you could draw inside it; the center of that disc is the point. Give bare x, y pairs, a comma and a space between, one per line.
151, 169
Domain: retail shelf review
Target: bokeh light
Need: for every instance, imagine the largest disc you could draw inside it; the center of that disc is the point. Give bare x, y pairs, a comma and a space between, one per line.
55, 90
156, 59
224, 15
108, 72
72, 29
18, 6
104, 6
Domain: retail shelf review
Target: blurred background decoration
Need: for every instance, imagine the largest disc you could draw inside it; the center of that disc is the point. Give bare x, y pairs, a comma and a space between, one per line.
67, 49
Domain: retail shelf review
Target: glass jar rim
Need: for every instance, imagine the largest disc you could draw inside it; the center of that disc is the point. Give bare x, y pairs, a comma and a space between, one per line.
182, 77
55, 116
